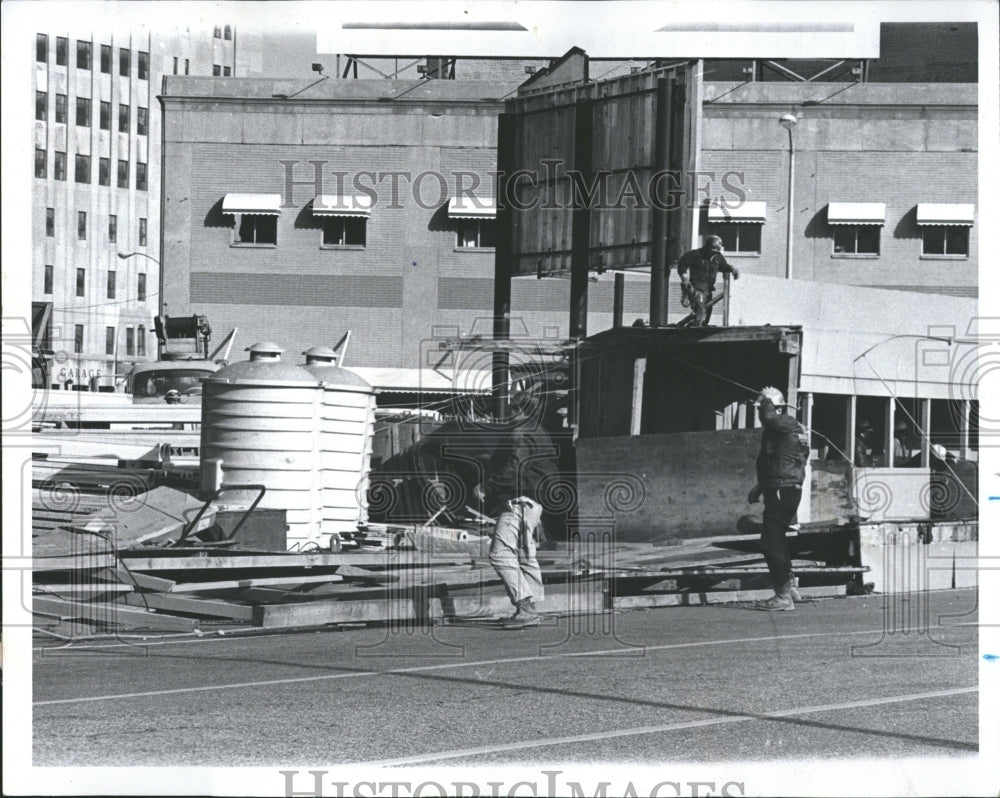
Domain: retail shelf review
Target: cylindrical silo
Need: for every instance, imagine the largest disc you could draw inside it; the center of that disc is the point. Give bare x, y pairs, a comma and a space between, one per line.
261, 419
346, 433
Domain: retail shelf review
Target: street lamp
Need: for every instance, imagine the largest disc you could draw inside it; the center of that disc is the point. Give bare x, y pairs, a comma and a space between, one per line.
127, 255
788, 121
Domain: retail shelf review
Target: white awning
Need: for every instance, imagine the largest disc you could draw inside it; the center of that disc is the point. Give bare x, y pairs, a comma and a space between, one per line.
342, 205
960, 214
472, 208
720, 211
260, 204
856, 213
404, 380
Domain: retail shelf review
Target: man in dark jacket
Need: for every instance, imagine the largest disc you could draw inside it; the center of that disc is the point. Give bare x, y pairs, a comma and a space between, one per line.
516, 470
697, 270
784, 450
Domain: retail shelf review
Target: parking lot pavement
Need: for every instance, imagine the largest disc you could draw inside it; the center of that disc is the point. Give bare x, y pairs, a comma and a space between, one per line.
706, 683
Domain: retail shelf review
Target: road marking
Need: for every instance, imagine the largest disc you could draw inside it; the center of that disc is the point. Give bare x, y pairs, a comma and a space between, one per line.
444, 666
666, 727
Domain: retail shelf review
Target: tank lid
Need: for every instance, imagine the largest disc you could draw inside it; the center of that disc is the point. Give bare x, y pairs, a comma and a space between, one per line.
333, 376
320, 354
264, 349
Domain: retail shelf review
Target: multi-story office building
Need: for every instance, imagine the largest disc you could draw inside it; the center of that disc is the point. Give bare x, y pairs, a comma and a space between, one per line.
96, 188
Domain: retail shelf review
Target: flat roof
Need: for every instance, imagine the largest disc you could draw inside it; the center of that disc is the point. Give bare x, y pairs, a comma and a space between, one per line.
335, 89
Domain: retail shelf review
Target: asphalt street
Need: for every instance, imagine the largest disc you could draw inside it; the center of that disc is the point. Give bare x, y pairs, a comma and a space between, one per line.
836, 678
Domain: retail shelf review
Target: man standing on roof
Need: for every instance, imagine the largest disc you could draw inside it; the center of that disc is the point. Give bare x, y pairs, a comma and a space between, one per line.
703, 265
781, 463
516, 469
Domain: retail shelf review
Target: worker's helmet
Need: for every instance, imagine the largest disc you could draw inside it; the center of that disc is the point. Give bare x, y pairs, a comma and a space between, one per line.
777, 397
172, 396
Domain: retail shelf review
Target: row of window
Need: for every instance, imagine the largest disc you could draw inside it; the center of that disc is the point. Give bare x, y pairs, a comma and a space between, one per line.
83, 171
864, 239
135, 344
81, 226
48, 284
225, 32
351, 231
83, 113
84, 56
221, 71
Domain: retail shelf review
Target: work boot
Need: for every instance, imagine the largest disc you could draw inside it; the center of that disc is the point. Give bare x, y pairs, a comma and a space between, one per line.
781, 601
525, 616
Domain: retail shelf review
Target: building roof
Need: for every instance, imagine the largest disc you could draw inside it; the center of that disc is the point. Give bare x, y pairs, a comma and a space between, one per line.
348, 90
818, 94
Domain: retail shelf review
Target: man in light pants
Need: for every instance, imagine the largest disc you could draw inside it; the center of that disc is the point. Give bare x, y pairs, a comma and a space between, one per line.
517, 467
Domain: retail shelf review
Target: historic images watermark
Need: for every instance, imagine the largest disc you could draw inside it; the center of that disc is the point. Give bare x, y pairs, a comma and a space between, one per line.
555, 187
320, 783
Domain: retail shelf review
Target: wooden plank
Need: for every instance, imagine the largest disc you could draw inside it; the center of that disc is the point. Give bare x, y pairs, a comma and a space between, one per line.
145, 581
638, 376
89, 589
194, 606
380, 559
70, 563
263, 581
325, 612
111, 614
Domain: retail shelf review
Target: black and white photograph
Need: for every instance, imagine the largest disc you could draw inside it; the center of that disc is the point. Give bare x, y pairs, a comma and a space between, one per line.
501, 398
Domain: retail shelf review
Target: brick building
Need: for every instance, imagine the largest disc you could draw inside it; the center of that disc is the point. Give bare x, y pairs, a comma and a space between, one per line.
96, 190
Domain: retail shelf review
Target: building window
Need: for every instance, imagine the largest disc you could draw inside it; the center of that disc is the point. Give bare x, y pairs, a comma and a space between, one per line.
109, 340
47, 288
227, 71
60, 166
130, 341
104, 171
946, 240
83, 55
124, 62
142, 121
41, 163
140, 176
78, 339
122, 174
140, 341
856, 239
106, 59
339, 231
123, 114
62, 47
142, 288
176, 60
143, 65
61, 108
112, 230
82, 112
50, 222
112, 284
81, 282
216, 70
738, 237
42, 47
187, 66
82, 172
41, 105
81, 226
475, 233
105, 115
227, 33
217, 33
257, 229
142, 232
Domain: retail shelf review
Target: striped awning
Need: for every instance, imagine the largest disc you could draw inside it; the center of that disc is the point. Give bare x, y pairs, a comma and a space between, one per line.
960, 214
856, 213
260, 204
720, 211
342, 205
472, 208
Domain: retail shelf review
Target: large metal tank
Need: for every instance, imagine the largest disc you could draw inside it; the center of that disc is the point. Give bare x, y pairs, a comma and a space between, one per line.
261, 418
346, 432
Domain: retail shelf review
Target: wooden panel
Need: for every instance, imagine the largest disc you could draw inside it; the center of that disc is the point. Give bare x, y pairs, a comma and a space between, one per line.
324, 612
